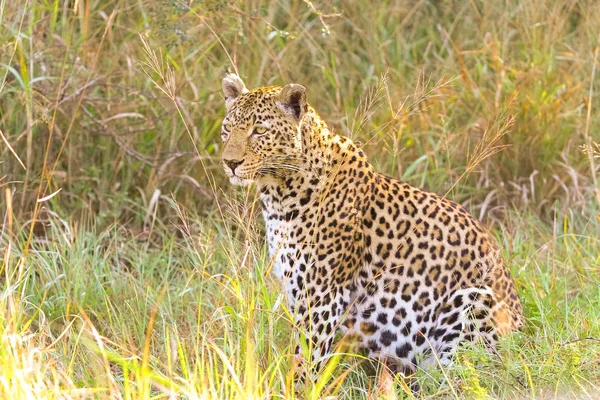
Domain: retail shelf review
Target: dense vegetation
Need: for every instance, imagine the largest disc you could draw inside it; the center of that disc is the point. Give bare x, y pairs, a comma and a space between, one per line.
130, 267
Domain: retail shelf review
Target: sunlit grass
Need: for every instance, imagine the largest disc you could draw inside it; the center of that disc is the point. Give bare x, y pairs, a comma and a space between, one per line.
107, 314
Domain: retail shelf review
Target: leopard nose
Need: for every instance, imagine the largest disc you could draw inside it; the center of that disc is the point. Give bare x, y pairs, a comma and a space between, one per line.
233, 164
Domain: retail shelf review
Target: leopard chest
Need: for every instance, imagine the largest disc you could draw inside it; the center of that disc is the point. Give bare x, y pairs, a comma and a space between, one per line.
281, 250
285, 226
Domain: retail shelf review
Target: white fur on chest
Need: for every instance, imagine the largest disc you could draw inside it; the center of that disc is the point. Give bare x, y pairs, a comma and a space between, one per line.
285, 252
278, 244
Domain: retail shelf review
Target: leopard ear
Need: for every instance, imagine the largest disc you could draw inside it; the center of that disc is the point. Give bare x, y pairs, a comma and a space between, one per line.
233, 86
292, 101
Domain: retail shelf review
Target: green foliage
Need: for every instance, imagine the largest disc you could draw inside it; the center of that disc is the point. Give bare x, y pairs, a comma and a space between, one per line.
407, 80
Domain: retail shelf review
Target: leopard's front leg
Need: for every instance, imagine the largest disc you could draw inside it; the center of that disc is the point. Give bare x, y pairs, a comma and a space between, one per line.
322, 280
318, 314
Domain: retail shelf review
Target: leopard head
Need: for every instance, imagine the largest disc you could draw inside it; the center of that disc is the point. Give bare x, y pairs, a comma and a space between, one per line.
261, 132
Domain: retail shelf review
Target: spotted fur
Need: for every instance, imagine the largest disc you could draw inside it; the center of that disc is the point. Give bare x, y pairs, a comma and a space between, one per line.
406, 273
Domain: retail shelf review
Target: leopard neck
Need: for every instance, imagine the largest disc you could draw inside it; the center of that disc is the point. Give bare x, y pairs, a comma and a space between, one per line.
323, 154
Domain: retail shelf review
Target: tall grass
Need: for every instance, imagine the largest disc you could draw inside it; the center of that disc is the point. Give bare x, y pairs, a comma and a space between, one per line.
73, 83
132, 270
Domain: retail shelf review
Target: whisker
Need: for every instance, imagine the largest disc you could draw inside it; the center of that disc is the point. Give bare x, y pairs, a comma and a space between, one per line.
269, 171
285, 166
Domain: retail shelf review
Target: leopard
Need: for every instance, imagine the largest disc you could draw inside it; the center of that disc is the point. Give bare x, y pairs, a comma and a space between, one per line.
407, 274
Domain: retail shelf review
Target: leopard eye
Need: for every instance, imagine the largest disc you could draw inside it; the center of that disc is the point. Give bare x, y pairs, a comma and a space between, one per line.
259, 130
225, 129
